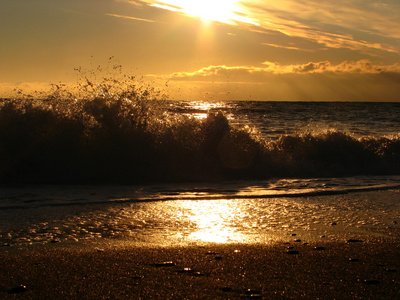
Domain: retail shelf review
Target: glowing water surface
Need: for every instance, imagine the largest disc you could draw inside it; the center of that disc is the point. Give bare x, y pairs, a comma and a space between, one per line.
185, 214
272, 119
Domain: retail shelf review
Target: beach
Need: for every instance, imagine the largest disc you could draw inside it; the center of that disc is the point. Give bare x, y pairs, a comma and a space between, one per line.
320, 270
343, 246
200, 149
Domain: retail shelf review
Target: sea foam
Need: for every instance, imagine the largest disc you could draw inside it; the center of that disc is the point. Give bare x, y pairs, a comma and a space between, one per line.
121, 131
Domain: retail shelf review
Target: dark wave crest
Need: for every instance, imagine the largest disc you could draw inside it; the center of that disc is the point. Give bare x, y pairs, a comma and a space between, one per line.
114, 134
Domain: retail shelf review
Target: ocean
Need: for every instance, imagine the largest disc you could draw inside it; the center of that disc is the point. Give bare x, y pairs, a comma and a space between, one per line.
184, 172
272, 120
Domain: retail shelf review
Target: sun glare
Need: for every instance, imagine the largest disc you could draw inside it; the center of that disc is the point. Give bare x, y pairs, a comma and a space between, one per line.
222, 10
215, 221
225, 11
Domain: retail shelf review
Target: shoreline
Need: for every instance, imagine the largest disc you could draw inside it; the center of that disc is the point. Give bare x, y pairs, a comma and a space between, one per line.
371, 214
324, 247
326, 270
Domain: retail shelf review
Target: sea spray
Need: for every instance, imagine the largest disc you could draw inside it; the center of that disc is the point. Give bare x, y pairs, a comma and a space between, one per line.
119, 130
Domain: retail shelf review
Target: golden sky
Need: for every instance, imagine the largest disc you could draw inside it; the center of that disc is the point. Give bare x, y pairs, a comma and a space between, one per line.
343, 50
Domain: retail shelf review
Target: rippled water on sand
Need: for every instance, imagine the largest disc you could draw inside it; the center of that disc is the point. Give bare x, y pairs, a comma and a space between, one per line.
184, 214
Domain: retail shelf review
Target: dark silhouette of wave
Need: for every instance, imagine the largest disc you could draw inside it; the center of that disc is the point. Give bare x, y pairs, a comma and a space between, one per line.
114, 134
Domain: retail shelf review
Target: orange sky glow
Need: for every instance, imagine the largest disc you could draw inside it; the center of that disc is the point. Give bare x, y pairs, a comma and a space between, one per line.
303, 50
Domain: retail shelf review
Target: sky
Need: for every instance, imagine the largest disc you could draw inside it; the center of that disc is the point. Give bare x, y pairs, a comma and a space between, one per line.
287, 50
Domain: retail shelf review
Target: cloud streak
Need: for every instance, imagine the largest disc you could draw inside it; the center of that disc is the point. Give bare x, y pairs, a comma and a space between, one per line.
283, 46
252, 74
130, 18
350, 24
313, 81
353, 24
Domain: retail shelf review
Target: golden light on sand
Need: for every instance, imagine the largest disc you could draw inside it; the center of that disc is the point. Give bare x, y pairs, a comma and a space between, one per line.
215, 221
211, 228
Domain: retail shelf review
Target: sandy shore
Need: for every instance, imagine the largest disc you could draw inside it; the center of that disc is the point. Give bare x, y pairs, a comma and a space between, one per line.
164, 250
292, 270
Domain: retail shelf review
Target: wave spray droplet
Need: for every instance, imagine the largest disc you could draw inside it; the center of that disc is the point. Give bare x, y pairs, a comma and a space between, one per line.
116, 129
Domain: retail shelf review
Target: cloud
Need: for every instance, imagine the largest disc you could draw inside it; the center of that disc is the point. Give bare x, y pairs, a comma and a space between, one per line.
224, 73
365, 26
347, 24
281, 46
313, 81
361, 66
12, 89
133, 2
130, 18
167, 6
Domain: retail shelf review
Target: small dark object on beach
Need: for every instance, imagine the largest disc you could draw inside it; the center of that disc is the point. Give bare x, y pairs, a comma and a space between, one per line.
185, 270
17, 289
297, 241
218, 258
391, 270
5, 245
165, 264
291, 252
319, 248
354, 259
226, 289
380, 265
372, 281
333, 224
54, 241
254, 296
252, 292
294, 234
354, 241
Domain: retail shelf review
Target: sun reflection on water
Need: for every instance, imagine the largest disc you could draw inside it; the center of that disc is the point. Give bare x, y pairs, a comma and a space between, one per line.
203, 108
220, 214
215, 221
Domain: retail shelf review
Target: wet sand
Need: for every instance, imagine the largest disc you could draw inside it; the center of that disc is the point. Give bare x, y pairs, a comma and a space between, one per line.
284, 270
349, 249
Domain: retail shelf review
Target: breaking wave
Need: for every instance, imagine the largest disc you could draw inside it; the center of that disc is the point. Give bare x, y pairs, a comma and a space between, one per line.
117, 131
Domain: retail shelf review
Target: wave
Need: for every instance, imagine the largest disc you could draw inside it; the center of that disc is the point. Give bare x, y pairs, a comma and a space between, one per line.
29, 196
119, 133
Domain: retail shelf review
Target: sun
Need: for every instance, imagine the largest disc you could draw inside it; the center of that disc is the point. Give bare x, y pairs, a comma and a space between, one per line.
225, 11
212, 10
